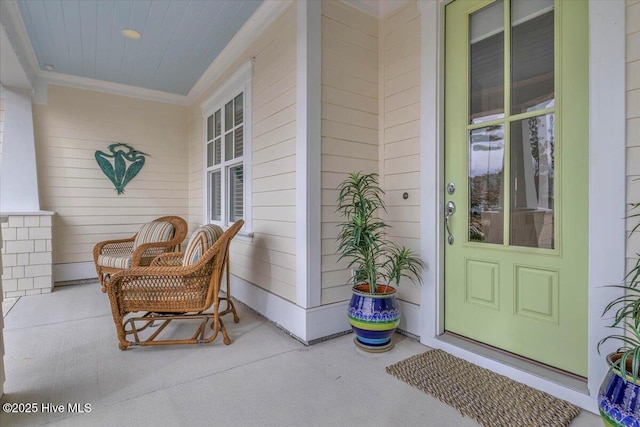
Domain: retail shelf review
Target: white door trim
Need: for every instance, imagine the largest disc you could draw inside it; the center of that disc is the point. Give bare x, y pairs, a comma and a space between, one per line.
607, 182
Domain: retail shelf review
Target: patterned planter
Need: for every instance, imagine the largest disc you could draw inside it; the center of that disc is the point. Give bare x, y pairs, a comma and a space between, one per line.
374, 317
619, 398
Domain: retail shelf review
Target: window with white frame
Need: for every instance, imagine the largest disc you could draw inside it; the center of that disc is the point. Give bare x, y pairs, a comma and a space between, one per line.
227, 151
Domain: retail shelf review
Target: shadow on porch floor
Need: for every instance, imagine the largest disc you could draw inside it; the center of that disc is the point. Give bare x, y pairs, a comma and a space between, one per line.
61, 349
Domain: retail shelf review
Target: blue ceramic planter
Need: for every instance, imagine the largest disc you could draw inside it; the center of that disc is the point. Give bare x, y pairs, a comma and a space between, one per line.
619, 399
374, 317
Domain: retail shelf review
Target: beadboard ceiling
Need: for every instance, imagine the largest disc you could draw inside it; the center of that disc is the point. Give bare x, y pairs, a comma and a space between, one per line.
179, 38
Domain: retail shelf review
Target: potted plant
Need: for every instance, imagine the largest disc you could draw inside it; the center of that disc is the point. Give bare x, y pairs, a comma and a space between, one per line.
375, 262
619, 395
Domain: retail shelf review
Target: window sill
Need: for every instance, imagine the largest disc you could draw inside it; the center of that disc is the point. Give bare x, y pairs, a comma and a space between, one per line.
245, 236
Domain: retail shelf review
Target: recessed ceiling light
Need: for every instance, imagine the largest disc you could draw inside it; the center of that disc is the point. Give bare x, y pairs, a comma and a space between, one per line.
49, 67
131, 34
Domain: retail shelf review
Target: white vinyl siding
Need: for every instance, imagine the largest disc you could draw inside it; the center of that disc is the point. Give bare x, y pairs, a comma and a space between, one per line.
68, 131
269, 259
633, 122
400, 153
349, 122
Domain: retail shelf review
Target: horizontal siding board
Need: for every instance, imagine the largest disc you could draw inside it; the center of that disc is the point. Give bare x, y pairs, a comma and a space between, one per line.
283, 213
267, 198
401, 99
347, 165
403, 56
402, 132
346, 99
400, 17
336, 294
406, 114
403, 181
403, 148
277, 104
401, 165
349, 132
281, 118
349, 66
331, 43
399, 36
275, 167
410, 79
402, 65
277, 151
351, 17
341, 114
274, 228
349, 34
336, 78
274, 183
275, 135
354, 150
286, 82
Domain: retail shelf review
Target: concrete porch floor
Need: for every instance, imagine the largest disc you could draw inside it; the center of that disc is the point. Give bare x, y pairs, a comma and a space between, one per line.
61, 349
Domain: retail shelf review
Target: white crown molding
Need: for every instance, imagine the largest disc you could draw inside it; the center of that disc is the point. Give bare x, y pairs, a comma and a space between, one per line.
376, 8
68, 80
11, 20
266, 13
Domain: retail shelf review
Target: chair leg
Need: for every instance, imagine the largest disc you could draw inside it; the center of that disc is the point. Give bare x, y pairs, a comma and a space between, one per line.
230, 307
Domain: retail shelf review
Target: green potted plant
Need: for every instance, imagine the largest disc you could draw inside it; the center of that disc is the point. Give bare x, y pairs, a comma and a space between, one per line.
375, 262
619, 395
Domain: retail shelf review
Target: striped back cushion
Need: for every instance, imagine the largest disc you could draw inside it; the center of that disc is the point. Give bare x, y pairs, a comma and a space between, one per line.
153, 232
202, 239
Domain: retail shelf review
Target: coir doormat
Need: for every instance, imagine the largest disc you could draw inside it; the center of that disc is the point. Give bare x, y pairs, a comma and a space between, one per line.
492, 400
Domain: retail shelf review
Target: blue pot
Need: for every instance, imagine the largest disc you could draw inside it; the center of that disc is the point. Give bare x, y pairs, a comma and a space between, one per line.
374, 317
619, 398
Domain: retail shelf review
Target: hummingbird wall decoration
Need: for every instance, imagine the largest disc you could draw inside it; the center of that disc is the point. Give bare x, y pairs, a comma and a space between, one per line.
122, 165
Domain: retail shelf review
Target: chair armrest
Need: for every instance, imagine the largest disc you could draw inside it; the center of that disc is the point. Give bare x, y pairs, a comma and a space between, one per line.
110, 247
168, 259
145, 253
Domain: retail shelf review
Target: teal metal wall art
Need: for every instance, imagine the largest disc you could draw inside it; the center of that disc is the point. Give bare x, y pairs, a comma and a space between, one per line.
120, 166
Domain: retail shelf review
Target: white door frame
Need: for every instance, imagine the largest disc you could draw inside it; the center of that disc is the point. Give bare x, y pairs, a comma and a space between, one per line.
607, 183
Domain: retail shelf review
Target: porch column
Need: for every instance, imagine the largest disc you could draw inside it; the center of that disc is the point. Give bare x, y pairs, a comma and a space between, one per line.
18, 174
308, 191
27, 231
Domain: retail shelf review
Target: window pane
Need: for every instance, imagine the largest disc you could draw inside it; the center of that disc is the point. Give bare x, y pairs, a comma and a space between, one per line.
209, 128
236, 193
210, 154
487, 63
228, 116
238, 109
532, 175
531, 55
218, 151
238, 142
216, 196
218, 127
228, 146
486, 167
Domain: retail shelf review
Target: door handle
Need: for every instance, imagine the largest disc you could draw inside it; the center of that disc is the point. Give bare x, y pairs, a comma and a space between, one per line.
449, 210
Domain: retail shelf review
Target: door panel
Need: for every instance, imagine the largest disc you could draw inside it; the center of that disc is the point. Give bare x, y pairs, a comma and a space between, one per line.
516, 117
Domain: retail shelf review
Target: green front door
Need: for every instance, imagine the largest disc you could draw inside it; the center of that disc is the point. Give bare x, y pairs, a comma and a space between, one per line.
516, 158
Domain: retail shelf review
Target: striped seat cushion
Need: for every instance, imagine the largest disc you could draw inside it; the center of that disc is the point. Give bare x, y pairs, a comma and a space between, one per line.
202, 239
115, 261
153, 232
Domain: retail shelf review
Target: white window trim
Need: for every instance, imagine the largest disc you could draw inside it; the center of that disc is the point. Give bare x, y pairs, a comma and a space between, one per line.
240, 81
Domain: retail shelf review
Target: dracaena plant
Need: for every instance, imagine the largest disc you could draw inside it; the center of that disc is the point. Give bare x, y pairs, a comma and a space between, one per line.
626, 317
363, 239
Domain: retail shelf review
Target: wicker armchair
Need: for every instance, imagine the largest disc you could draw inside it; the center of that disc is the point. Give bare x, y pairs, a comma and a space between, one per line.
176, 286
162, 235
